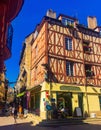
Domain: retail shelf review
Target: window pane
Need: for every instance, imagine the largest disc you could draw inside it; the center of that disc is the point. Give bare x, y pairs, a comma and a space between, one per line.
69, 68
68, 43
67, 21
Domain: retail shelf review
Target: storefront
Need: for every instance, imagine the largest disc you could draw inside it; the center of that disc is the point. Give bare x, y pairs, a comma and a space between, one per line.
35, 100
69, 96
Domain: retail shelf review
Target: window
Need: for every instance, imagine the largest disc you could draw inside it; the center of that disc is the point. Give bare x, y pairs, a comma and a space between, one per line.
86, 47
36, 50
67, 21
100, 33
69, 68
68, 43
36, 72
64, 21
89, 72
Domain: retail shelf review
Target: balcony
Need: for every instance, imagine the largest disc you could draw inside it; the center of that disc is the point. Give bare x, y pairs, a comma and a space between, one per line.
7, 49
9, 37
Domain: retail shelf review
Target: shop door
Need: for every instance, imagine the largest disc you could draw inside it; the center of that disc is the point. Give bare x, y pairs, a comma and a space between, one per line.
68, 103
65, 99
80, 101
32, 103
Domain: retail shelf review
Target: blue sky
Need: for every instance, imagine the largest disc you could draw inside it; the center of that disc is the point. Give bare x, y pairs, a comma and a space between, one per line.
32, 13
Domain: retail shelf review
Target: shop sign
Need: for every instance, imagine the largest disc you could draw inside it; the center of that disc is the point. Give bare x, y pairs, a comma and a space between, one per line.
70, 88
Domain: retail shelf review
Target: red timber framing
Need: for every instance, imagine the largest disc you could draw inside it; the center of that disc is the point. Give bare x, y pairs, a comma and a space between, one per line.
9, 9
85, 54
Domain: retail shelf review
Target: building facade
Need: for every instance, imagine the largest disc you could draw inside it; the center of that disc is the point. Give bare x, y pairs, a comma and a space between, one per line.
23, 81
2, 89
65, 65
9, 9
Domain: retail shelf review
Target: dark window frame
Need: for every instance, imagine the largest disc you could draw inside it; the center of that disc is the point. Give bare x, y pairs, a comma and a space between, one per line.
68, 43
69, 68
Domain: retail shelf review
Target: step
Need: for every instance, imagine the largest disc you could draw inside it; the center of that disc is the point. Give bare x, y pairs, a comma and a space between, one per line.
62, 122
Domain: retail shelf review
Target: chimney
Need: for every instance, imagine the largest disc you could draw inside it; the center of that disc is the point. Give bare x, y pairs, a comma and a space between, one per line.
92, 22
50, 13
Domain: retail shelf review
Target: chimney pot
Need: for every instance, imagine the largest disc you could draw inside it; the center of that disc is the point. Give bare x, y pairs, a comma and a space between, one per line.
92, 22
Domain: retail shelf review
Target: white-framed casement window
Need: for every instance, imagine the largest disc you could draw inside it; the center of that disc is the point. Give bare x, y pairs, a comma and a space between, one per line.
69, 68
68, 43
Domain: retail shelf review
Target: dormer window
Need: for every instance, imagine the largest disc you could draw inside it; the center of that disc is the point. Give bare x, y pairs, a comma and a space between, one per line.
67, 21
100, 33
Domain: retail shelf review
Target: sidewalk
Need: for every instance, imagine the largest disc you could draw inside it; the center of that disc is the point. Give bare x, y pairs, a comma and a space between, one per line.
69, 121
60, 122
9, 120
37, 121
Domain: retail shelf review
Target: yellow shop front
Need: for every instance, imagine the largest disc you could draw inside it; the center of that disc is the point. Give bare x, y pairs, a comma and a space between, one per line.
78, 100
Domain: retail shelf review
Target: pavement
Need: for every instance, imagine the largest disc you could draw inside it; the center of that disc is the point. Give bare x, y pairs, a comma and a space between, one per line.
7, 123
36, 121
69, 121
9, 120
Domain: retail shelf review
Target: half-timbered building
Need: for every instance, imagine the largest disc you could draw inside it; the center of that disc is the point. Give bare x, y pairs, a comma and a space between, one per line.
66, 66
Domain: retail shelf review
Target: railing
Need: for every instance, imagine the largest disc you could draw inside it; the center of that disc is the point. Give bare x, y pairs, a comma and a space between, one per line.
9, 37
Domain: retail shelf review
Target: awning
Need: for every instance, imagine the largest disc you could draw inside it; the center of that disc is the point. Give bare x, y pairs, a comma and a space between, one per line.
20, 94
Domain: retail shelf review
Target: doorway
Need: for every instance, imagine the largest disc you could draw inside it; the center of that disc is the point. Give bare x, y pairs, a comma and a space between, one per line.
65, 99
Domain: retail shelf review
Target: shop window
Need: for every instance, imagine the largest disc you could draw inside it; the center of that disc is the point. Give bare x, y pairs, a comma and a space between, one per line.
68, 43
100, 101
69, 68
65, 99
37, 103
